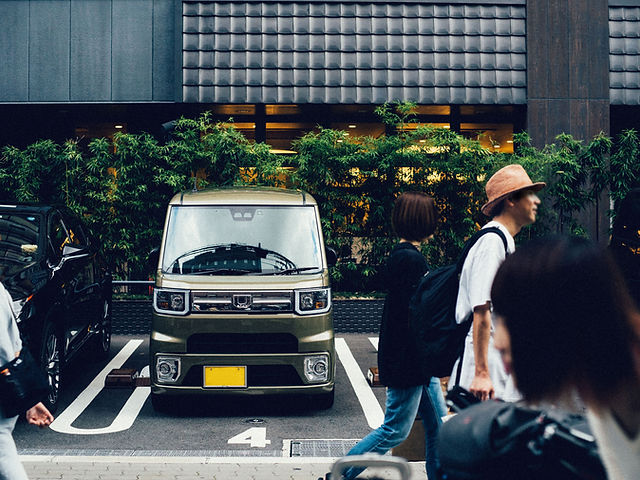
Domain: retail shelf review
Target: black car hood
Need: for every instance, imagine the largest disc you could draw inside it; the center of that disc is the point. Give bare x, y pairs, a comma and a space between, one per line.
22, 279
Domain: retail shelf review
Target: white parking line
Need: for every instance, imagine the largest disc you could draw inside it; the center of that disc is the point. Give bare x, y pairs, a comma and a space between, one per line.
367, 399
127, 414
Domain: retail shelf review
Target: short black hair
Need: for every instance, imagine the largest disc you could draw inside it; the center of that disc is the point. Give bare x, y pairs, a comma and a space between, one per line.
569, 317
414, 216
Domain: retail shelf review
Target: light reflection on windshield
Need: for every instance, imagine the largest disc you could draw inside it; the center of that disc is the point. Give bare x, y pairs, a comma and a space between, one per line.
19, 237
234, 240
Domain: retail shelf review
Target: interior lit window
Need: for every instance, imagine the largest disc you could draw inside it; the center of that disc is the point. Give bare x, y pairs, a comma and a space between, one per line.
248, 129
280, 135
282, 109
493, 136
360, 129
234, 109
433, 110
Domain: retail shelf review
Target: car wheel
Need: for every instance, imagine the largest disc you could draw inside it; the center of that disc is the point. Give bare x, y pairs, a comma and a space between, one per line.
102, 342
51, 355
324, 401
162, 403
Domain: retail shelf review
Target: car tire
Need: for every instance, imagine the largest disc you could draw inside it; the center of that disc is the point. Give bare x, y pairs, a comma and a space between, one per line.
323, 401
102, 339
162, 403
51, 359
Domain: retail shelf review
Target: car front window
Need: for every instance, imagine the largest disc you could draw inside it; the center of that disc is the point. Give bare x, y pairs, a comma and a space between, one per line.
19, 238
242, 240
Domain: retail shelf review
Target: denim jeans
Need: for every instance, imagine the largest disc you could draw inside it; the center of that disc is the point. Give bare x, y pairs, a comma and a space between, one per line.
401, 408
10, 466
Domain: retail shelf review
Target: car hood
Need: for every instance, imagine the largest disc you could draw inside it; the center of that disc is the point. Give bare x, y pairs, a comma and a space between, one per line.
22, 279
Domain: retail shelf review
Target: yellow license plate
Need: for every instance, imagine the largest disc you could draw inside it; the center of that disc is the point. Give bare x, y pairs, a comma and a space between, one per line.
225, 376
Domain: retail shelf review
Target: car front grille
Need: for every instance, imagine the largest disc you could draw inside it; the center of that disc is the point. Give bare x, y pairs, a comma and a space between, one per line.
242, 302
241, 343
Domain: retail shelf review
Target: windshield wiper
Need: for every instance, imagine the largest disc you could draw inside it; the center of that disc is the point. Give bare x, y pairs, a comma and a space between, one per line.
290, 270
221, 271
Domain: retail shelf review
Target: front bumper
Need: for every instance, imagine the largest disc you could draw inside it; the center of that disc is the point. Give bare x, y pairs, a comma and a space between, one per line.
273, 351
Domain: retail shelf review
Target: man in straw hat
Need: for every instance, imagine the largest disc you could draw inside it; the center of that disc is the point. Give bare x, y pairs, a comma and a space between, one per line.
512, 204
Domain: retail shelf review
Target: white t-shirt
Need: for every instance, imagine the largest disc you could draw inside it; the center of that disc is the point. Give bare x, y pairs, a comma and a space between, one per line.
10, 342
620, 454
478, 272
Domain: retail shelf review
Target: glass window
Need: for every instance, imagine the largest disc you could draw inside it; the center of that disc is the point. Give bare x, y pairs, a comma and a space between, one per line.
241, 239
19, 239
58, 237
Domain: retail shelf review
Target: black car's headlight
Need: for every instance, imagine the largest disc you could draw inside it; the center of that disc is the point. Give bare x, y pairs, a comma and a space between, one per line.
175, 302
313, 301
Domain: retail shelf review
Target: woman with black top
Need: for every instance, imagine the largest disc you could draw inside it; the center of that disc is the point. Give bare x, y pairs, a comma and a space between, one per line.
409, 389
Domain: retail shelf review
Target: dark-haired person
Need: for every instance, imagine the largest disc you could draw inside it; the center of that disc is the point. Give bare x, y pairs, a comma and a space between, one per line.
409, 389
512, 204
567, 324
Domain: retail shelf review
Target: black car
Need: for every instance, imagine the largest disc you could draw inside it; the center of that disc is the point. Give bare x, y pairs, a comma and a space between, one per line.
61, 288
625, 241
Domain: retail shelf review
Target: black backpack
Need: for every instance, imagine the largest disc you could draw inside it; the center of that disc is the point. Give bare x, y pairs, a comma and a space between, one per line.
438, 338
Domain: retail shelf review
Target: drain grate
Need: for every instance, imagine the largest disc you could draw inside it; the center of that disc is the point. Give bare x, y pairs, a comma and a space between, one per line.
321, 448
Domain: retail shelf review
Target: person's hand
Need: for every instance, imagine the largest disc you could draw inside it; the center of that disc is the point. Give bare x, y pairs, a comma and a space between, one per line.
482, 387
39, 415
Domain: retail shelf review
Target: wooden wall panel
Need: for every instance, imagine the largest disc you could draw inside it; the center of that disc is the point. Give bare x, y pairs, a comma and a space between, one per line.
567, 69
132, 42
90, 50
49, 51
14, 51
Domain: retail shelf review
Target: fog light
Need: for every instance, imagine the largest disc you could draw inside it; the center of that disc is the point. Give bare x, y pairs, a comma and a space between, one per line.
316, 368
167, 369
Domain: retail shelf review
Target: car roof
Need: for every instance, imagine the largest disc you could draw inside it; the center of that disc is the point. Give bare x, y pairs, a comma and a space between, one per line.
243, 196
26, 208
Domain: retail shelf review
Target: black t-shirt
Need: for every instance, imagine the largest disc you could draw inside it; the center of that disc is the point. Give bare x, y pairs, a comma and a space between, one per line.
397, 362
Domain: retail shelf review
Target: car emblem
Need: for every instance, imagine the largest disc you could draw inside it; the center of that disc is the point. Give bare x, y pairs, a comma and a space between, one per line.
242, 302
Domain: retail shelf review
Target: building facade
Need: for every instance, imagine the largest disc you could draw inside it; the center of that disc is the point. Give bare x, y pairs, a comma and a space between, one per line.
87, 68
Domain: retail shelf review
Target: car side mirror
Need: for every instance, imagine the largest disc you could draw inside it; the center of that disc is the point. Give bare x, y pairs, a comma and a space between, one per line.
332, 256
153, 259
74, 251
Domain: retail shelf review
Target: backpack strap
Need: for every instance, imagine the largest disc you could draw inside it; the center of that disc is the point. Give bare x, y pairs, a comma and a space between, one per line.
463, 256
474, 238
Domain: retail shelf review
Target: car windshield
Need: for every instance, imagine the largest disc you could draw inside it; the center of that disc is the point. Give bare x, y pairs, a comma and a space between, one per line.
242, 240
18, 239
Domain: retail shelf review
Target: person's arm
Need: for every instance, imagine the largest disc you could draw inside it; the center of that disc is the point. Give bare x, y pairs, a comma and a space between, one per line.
39, 415
482, 386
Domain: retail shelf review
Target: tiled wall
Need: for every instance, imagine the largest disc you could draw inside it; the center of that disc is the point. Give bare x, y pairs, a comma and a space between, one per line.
624, 57
367, 53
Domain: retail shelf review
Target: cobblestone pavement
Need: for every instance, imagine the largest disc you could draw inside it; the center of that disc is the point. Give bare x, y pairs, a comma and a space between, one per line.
187, 468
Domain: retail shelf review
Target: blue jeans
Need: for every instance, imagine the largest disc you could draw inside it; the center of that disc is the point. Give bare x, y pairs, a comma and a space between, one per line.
401, 408
10, 466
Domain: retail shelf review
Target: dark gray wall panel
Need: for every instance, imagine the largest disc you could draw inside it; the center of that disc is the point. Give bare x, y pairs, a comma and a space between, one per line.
14, 51
132, 42
49, 50
90, 50
164, 50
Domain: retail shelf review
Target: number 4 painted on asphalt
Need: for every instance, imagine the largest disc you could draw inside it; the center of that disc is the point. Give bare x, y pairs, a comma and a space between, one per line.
255, 437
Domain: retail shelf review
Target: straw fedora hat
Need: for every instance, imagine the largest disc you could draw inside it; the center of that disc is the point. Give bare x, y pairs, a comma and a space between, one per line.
504, 182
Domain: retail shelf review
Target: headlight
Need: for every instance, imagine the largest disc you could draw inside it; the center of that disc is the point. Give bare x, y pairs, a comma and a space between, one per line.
175, 302
167, 369
316, 368
313, 301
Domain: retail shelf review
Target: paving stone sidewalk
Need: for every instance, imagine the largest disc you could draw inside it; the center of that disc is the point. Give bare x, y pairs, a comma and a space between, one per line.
187, 468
